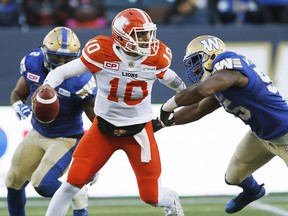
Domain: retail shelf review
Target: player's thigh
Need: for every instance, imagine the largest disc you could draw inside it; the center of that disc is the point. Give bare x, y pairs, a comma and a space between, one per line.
250, 154
93, 151
58, 155
147, 173
152, 169
25, 160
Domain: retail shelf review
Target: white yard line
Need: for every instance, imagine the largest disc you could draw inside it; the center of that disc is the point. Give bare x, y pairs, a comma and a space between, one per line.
270, 208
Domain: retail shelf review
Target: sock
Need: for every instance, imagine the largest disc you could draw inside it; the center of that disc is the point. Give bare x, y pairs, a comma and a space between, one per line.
80, 212
16, 200
249, 185
61, 200
80, 200
166, 197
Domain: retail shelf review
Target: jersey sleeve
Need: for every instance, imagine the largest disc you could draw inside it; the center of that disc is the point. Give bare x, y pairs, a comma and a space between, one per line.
31, 67
235, 62
228, 61
88, 89
164, 60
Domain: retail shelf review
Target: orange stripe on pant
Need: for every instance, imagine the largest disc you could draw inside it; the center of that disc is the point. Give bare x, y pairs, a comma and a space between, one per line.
95, 149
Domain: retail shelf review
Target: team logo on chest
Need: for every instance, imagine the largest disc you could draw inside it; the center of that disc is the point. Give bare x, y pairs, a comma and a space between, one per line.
111, 65
131, 64
128, 74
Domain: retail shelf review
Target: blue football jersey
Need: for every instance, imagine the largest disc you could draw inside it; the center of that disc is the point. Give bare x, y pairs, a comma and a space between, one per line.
259, 103
73, 92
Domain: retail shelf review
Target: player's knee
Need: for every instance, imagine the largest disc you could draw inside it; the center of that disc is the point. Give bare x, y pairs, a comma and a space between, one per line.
231, 180
80, 172
148, 190
45, 185
9, 180
46, 190
12, 182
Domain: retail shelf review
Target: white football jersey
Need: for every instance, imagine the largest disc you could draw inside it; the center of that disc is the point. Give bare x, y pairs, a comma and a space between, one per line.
124, 84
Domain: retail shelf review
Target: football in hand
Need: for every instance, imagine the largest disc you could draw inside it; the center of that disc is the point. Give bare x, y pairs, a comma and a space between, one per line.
45, 106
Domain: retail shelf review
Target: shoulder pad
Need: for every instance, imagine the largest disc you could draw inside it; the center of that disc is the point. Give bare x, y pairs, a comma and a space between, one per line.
163, 58
33, 60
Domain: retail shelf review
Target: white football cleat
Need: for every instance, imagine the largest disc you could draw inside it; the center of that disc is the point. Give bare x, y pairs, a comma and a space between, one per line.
175, 209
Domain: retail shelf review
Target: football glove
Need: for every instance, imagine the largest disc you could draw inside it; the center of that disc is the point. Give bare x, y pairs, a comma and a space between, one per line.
157, 124
21, 110
167, 117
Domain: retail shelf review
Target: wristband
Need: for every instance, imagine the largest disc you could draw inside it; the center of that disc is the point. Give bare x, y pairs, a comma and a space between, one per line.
170, 105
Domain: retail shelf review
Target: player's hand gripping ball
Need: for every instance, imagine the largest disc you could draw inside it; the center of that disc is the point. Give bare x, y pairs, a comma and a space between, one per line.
45, 105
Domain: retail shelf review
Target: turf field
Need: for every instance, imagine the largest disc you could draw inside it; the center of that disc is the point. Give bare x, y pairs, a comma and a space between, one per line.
273, 205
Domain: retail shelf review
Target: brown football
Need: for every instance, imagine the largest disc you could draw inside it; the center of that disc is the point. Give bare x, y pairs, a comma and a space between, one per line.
46, 106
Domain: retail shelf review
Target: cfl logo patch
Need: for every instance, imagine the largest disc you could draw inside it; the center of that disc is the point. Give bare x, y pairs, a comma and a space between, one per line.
33, 77
111, 65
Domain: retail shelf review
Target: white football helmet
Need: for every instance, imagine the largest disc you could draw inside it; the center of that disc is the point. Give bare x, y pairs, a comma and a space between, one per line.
60, 46
200, 54
134, 31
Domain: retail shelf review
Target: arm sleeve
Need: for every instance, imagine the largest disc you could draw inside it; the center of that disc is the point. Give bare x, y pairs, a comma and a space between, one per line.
59, 74
173, 81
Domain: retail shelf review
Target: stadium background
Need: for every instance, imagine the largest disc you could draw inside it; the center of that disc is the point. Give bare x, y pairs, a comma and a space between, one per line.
194, 156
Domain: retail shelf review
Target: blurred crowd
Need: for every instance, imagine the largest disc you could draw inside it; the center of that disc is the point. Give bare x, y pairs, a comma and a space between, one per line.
99, 13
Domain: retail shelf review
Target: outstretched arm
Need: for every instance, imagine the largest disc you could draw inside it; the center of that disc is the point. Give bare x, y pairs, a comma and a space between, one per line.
173, 81
191, 113
200, 98
59, 74
196, 111
219, 82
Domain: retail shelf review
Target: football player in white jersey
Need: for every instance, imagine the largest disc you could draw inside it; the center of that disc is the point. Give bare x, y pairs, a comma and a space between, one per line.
125, 66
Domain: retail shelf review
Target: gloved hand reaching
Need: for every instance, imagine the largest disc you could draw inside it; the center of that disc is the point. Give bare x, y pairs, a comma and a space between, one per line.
157, 124
21, 110
167, 117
